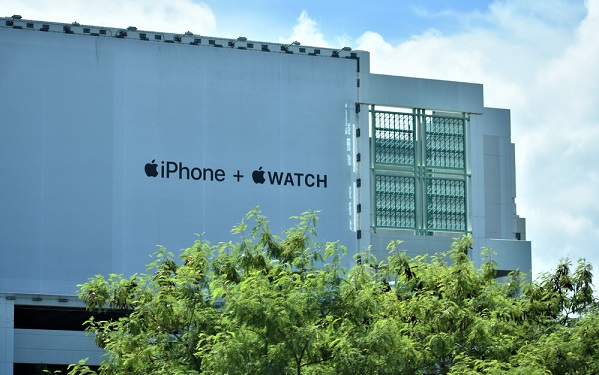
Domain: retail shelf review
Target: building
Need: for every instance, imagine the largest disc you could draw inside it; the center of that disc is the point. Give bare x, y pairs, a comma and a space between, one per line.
115, 140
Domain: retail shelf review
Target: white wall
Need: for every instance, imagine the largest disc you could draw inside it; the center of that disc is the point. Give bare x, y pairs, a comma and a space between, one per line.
84, 115
493, 168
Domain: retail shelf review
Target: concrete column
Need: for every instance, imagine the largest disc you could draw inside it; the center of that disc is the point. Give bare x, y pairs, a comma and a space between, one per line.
7, 333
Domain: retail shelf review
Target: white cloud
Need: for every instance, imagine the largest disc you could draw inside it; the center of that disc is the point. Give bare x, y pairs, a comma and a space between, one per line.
566, 92
306, 32
154, 15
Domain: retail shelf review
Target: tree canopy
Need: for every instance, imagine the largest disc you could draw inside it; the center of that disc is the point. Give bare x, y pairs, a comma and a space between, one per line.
269, 304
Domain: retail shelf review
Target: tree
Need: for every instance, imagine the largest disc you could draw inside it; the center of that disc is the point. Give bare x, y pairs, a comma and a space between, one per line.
284, 305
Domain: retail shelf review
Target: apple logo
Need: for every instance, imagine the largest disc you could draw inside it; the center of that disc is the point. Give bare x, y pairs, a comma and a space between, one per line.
151, 169
258, 176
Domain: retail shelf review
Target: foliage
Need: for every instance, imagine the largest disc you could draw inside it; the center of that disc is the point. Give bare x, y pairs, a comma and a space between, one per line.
284, 305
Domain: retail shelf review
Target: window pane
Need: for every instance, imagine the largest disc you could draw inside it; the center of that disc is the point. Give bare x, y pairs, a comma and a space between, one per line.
446, 204
445, 143
394, 138
395, 202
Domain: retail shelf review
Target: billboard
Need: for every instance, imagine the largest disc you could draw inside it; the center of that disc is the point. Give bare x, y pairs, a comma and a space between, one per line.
109, 147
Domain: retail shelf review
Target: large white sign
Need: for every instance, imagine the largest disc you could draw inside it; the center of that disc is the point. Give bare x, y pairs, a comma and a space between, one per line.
109, 147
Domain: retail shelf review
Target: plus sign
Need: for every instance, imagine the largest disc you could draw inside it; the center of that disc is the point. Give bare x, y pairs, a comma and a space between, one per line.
238, 176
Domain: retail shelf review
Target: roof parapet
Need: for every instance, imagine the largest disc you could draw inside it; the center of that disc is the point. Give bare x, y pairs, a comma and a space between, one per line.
189, 38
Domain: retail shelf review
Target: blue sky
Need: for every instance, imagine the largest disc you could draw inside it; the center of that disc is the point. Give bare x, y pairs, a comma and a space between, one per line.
540, 58
397, 20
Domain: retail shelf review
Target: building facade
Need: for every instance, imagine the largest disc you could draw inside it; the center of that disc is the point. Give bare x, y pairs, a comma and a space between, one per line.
114, 141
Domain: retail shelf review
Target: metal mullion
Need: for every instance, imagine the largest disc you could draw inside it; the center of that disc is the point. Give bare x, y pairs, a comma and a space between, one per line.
467, 191
373, 198
419, 162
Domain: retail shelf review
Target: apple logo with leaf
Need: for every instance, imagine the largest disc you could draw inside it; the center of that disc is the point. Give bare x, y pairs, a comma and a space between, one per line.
258, 176
151, 169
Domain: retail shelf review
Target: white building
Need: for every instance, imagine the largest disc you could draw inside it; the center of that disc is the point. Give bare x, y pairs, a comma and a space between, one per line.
115, 140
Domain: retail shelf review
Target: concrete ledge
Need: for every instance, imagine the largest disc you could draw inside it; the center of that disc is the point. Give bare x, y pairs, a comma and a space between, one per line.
432, 94
54, 347
511, 255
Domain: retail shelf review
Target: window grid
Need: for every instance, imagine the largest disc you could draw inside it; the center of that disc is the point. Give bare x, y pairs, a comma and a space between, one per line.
419, 172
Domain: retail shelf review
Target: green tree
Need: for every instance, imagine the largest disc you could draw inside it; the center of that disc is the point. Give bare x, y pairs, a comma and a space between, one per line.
284, 305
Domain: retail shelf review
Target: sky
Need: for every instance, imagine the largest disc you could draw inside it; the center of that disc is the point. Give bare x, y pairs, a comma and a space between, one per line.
539, 58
